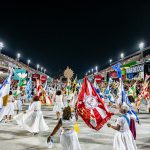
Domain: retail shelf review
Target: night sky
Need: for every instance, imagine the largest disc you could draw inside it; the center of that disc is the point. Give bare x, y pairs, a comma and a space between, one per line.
80, 35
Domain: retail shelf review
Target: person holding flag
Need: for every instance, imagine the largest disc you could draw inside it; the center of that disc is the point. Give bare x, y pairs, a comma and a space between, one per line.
124, 100
58, 107
68, 138
28, 90
18, 103
90, 107
10, 107
4, 95
32, 120
123, 139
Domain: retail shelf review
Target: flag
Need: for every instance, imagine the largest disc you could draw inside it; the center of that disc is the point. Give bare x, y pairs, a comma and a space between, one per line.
107, 90
68, 87
5, 89
45, 87
29, 89
4, 83
38, 86
132, 90
74, 86
108, 94
98, 90
117, 68
144, 90
47, 97
78, 86
126, 101
91, 107
111, 98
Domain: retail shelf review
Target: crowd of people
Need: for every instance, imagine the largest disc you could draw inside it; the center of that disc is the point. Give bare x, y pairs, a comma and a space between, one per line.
138, 92
63, 99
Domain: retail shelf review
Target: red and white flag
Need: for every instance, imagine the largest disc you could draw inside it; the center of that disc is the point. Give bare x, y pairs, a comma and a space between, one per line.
91, 107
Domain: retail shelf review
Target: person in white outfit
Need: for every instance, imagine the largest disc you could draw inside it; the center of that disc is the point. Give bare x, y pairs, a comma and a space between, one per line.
33, 120
123, 139
18, 103
58, 107
10, 107
68, 138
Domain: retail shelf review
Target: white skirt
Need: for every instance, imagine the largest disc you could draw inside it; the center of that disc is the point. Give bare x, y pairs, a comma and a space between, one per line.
10, 109
32, 121
58, 107
2, 112
69, 141
124, 141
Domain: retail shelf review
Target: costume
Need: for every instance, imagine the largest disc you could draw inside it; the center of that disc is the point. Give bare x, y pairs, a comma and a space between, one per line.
19, 103
32, 120
58, 103
69, 138
123, 139
10, 106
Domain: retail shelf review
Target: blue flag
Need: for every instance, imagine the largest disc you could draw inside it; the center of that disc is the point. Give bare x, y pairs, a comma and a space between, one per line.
98, 90
29, 89
125, 100
107, 92
117, 68
5, 82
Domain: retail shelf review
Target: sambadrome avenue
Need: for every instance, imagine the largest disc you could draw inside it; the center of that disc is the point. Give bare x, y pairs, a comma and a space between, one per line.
74, 75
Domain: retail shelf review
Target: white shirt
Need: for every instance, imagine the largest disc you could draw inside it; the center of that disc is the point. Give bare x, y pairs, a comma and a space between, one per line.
59, 98
35, 106
11, 98
123, 124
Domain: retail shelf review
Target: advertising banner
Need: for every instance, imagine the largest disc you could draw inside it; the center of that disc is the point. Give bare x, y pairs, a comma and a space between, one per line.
43, 78
35, 76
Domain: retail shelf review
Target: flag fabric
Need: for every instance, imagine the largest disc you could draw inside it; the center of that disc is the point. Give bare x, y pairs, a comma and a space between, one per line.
29, 89
5, 89
108, 94
48, 100
132, 90
45, 87
38, 86
117, 68
111, 98
68, 87
78, 86
107, 90
74, 86
4, 83
98, 90
90, 78
126, 101
1, 91
47, 97
21, 76
91, 107
42, 94
144, 91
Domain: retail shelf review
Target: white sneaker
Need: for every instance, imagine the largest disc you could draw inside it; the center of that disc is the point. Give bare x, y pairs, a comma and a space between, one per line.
50, 144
